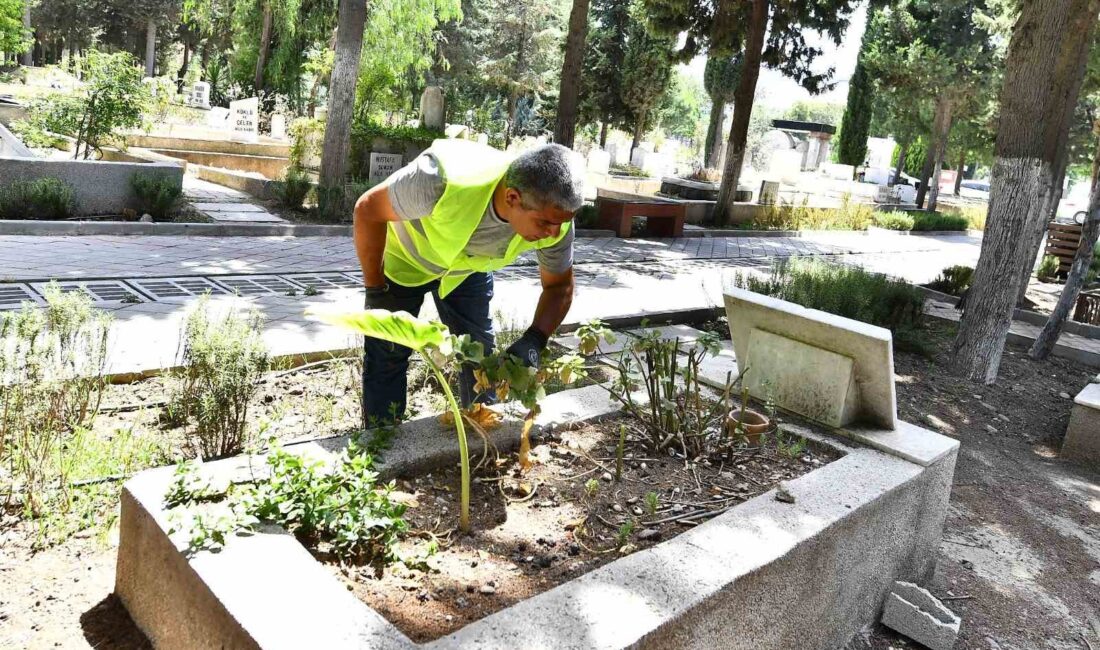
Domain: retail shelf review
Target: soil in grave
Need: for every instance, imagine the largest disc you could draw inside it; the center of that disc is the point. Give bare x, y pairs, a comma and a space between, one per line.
536, 530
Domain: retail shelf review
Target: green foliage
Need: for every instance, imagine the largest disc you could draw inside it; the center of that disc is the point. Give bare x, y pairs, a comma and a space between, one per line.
586, 217
720, 79
931, 221
628, 170
343, 507
51, 366
652, 502
626, 531
681, 108
894, 220
601, 97
647, 70
786, 216
591, 487
294, 187
856, 123
112, 98
12, 36
814, 111
953, 280
846, 291
157, 194
49, 199
1048, 268
222, 361
306, 138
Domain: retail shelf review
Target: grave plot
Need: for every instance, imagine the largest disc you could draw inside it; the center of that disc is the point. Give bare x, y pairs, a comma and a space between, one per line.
705, 538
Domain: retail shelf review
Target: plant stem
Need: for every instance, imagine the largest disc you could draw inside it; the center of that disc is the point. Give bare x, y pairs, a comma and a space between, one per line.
463, 451
619, 453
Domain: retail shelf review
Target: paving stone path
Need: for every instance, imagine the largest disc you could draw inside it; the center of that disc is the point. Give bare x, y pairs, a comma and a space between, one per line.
224, 204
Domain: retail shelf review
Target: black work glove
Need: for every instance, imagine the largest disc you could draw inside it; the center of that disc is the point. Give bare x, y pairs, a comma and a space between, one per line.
380, 298
529, 347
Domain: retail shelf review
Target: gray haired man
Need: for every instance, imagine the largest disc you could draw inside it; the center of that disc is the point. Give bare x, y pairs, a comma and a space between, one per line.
441, 225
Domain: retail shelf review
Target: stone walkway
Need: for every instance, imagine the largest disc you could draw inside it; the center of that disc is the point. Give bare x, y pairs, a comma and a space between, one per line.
224, 204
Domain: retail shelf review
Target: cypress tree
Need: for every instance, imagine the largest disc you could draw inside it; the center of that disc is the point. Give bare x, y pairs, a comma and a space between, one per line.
856, 123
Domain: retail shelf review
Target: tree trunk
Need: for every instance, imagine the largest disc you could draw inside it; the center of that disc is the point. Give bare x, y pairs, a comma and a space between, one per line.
959, 171
1050, 197
742, 112
603, 135
183, 68
1043, 74
510, 124
150, 47
639, 131
925, 173
28, 56
352, 19
265, 46
902, 151
712, 155
1075, 281
569, 89
942, 130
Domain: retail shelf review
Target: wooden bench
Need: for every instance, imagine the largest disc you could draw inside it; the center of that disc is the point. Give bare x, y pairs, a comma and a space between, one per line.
663, 218
1063, 240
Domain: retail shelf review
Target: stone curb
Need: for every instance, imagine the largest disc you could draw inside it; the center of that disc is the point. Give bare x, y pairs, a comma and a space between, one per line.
1027, 316
919, 615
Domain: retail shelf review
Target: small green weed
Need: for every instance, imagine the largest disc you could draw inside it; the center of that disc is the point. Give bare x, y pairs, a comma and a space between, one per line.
1048, 268
591, 487
294, 188
953, 280
157, 194
652, 502
626, 531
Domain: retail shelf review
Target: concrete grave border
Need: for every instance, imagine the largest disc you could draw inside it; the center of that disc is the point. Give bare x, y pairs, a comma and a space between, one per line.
739, 580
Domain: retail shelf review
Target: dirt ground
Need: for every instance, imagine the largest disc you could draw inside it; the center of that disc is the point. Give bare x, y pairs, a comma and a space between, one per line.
1020, 553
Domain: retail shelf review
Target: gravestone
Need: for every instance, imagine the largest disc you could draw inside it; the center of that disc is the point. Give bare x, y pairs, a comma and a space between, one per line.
382, 165
244, 120
599, 162
218, 118
769, 193
483, 138
200, 95
828, 368
457, 131
278, 126
431, 108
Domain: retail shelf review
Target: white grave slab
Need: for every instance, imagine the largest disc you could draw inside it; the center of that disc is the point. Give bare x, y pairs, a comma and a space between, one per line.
382, 165
244, 120
828, 368
218, 118
278, 126
598, 162
200, 95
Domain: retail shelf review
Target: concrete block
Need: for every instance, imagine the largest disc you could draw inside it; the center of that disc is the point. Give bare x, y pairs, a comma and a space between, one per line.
870, 349
1082, 442
919, 615
99, 188
805, 379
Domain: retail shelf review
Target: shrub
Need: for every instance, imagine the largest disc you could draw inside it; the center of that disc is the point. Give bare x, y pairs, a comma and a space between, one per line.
157, 194
953, 280
51, 367
629, 170
788, 216
926, 221
41, 199
846, 291
1048, 268
893, 220
294, 187
587, 217
222, 361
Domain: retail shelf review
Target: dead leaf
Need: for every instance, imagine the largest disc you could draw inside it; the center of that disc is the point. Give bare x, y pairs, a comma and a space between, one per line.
404, 498
525, 444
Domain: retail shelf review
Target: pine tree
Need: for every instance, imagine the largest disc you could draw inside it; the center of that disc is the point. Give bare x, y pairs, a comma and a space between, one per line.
647, 72
602, 76
720, 79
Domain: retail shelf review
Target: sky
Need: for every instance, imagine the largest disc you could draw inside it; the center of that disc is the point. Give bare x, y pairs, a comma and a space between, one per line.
773, 89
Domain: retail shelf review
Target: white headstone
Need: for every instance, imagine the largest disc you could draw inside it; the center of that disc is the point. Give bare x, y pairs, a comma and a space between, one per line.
244, 120
382, 165
431, 108
880, 152
218, 118
483, 138
200, 95
278, 126
599, 161
457, 131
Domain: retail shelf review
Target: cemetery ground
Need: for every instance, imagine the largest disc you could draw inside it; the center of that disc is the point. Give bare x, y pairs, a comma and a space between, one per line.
1019, 559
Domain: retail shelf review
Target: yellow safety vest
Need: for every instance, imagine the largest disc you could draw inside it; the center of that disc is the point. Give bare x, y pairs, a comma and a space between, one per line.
423, 250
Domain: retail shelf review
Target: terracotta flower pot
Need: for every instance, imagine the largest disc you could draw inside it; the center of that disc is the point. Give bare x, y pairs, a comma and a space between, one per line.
752, 422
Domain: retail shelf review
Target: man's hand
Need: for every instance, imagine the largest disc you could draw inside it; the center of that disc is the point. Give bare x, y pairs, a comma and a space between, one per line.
380, 298
529, 347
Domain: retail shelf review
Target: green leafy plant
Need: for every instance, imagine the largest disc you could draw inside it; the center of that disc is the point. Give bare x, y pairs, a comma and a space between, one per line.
294, 188
51, 366
222, 361
953, 280
927, 221
625, 532
652, 502
157, 194
893, 220
790, 216
1048, 268
591, 487
591, 333
48, 199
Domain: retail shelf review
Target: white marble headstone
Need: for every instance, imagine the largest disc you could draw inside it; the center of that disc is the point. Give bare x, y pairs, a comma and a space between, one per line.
200, 95
218, 118
278, 126
382, 165
244, 120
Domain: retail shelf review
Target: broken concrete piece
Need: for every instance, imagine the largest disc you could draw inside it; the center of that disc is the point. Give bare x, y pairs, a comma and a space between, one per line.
919, 615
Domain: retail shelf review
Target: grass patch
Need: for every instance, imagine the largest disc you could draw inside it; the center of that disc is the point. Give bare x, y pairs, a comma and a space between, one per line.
953, 280
846, 291
789, 216
43, 199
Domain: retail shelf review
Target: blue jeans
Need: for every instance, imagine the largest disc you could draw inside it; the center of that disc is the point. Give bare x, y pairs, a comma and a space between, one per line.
385, 365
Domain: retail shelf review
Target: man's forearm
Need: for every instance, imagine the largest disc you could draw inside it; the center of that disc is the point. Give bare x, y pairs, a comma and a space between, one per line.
370, 248
553, 306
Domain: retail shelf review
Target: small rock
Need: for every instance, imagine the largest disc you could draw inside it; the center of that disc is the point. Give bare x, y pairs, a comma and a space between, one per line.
543, 561
1064, 395
643, 467
574, 549
631, 501
783, 493
649, 533
617, 508
936, 422
988, 407
990, 428
146, 218
607, 476
488, 590
637, 511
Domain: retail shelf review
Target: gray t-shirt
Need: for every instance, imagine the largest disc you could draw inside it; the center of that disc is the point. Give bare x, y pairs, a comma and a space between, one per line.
417, 187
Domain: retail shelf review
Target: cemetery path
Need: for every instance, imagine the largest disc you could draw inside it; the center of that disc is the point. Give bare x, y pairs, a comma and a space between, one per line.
225, 204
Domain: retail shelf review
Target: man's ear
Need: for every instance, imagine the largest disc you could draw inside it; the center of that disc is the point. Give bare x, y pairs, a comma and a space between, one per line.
512, 197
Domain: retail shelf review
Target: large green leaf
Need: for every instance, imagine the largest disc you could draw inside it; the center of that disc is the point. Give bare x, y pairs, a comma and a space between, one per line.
399, 327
